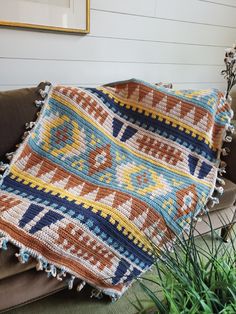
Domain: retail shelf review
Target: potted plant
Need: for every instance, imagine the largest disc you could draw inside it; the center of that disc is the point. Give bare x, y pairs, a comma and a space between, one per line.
199, 276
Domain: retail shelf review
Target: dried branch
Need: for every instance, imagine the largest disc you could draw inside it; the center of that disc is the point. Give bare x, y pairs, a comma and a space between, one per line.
230, 71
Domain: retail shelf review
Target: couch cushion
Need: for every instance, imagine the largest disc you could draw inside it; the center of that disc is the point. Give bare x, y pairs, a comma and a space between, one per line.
230, 159
27, 287
218, 218
9, 264
17, 107
228, 198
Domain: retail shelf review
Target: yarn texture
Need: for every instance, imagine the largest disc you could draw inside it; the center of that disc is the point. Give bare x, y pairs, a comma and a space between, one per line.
106, 174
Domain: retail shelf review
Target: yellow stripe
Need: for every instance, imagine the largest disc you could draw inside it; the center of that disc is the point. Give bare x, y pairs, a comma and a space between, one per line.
154, 114
117, 142
22, 176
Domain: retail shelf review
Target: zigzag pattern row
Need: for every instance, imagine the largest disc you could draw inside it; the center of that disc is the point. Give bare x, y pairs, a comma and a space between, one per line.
110, 173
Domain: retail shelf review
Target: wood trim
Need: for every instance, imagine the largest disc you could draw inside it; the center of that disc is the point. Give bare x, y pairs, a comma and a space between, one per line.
51, 28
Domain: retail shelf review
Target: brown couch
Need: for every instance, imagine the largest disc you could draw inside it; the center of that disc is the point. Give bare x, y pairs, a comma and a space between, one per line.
21, 283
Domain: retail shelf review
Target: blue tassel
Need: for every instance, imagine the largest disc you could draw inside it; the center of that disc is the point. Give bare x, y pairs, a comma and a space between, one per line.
3, 243
51, 271
42, 264
23, 256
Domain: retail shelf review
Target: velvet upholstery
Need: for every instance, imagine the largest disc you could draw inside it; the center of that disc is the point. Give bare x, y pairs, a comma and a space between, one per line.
16, 108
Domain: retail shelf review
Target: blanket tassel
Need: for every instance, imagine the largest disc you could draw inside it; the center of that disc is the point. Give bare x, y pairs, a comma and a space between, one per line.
44, 92
51, 270
228, 139
61, 274
71, 282
26, 133
4, 168
225, 151
197, 219
206, 210
80, 286
39, 103
3, 243
222, 168
230, 128
23, 256
220, 181
41, 264
214, 201
219, 189
96, 293
9, 156
29, 125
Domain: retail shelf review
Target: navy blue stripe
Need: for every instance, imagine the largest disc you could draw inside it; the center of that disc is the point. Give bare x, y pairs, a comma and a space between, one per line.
156, 126
83, 215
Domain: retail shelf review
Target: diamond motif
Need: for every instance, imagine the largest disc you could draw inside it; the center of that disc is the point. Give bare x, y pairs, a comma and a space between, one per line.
186, 201
99, 159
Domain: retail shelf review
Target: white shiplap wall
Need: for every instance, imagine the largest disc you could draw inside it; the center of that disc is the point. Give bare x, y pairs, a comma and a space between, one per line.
179, 41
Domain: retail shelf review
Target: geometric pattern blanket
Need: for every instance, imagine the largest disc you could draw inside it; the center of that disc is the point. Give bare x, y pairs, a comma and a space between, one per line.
108, 173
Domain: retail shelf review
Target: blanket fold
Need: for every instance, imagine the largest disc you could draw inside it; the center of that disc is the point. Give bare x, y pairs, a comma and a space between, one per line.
108, 173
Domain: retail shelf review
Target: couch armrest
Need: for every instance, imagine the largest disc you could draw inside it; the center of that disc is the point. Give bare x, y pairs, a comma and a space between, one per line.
16, 108
231, 159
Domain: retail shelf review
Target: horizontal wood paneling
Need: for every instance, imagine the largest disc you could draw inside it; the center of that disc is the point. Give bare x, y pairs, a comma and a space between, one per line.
230, 3
183, 10
138, 7
196, 11
83, 72
90, 48
151, 29
155, 40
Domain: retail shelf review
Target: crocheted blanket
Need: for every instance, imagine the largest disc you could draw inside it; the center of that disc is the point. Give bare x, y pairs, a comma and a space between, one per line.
106, 174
